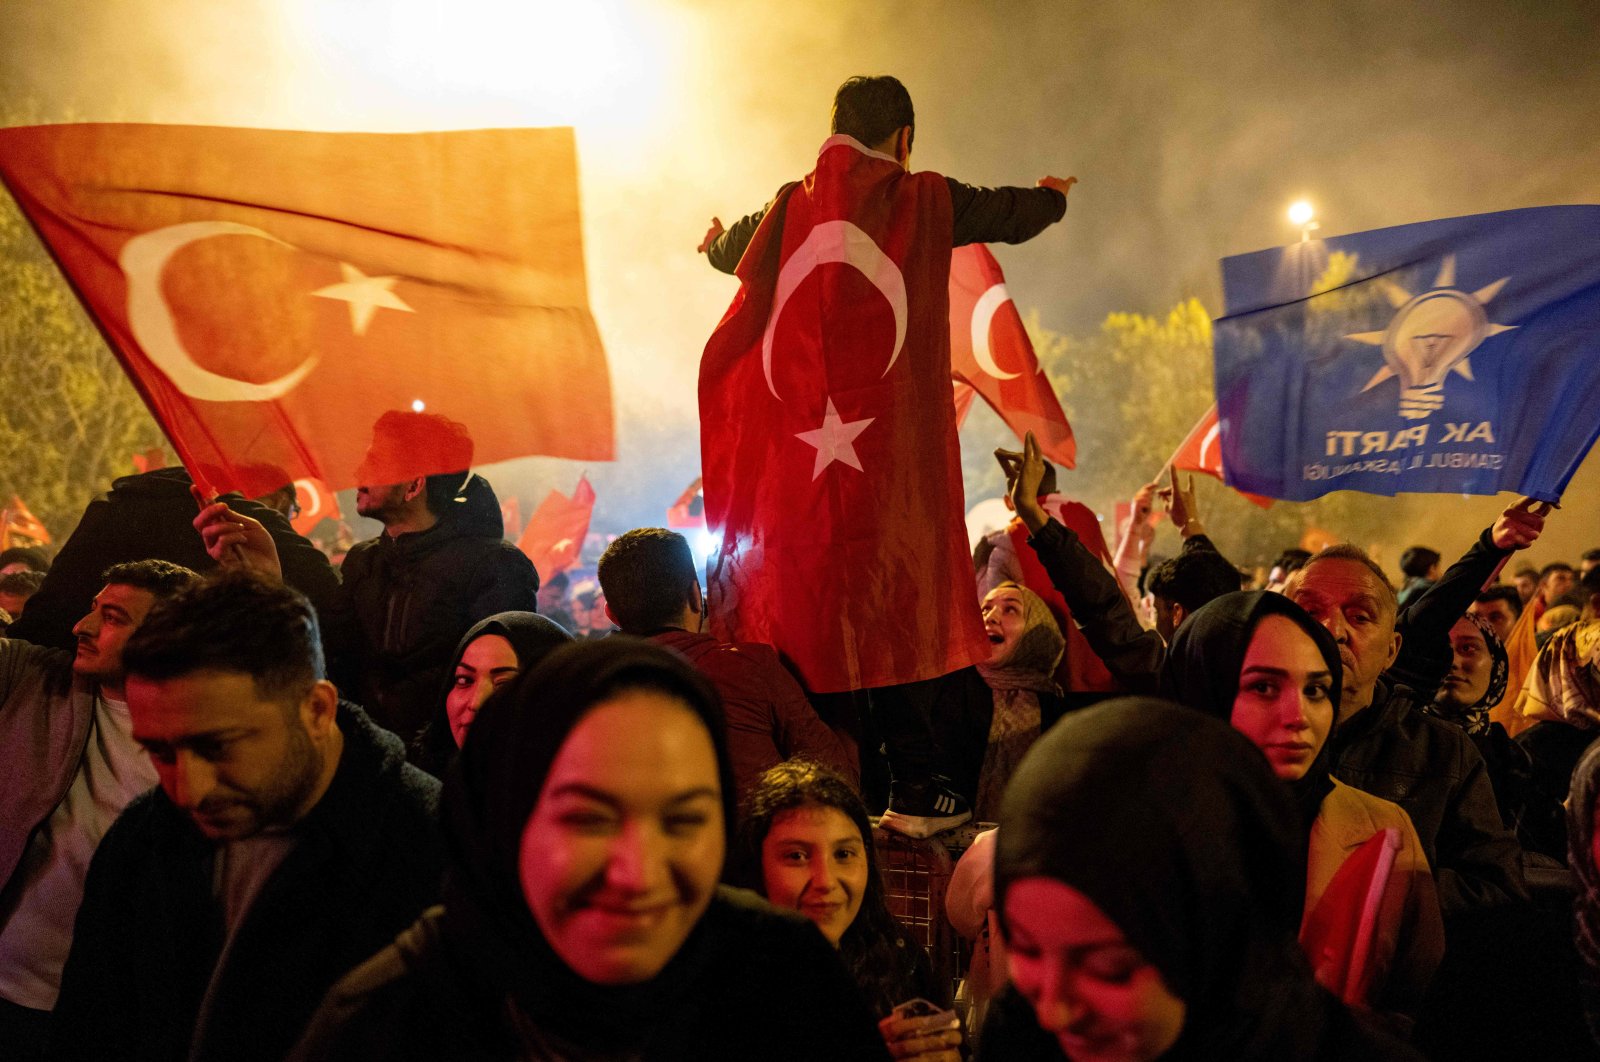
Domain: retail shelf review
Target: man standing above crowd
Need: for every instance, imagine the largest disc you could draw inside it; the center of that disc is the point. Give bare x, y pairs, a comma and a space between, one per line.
828, 436
651, 590
288, 841
70, 765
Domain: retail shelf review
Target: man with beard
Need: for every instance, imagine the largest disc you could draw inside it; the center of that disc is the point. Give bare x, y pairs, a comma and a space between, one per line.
70, 768
288, 840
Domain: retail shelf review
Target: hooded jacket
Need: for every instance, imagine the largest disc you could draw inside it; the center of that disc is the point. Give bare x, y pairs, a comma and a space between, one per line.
408, 599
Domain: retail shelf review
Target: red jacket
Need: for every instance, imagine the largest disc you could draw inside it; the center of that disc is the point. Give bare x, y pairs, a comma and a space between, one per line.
769, 718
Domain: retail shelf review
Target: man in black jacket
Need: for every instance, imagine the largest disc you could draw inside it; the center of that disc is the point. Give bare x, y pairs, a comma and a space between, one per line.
288, 840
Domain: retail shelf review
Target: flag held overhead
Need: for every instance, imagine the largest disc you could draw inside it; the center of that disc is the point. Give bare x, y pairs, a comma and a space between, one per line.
1453, 356
273, 293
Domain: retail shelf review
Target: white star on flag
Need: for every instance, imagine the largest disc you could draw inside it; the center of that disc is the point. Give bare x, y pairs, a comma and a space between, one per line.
835, 440
364, 294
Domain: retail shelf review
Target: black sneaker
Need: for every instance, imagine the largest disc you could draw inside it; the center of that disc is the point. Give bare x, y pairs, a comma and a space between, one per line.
923, 810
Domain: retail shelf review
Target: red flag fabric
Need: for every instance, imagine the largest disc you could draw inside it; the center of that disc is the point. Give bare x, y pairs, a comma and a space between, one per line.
1201, 451
991, 353
511, 517
555, 532
272, 293
317, 503
689, 511
963, 396
828, 439
1340, 935
150, 460
18, 522
1080, 669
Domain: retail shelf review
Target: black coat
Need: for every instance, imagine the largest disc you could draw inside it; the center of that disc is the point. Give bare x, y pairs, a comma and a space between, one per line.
392, 631
368, 859
772, 990
147, 516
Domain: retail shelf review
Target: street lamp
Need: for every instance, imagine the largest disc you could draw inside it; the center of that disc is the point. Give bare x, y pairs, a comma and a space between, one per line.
1302, 213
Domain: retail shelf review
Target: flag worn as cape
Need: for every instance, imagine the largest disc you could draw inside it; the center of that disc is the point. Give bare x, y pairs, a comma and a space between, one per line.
991, 353
1454, 356
272, 293
828, 441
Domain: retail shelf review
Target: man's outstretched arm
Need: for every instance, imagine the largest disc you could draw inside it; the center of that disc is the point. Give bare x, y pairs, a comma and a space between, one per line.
1006, 215
724, 247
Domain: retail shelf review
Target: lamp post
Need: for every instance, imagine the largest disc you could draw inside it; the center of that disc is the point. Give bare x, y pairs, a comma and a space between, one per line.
1302, 213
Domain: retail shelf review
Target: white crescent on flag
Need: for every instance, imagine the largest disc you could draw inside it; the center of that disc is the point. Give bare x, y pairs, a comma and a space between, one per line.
143, 259
846, 244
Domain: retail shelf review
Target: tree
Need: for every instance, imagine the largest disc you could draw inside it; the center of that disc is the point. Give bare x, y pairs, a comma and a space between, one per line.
72, 419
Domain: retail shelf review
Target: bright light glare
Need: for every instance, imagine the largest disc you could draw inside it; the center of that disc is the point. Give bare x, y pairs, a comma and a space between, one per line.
600, 65
1301, 212
418, 405
704, 543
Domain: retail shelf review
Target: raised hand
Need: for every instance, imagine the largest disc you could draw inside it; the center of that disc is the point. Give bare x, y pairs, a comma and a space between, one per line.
711, 235
1060, 184
234, 540
1521, 524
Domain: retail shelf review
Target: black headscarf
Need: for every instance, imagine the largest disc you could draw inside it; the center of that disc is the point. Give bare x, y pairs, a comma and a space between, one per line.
1474, 718
1580, 857
1175, 827
532, 638
489, 794
1207, 654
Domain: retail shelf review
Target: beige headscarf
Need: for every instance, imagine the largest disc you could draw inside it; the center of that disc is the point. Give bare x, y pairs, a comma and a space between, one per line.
1564, 683
1017, 678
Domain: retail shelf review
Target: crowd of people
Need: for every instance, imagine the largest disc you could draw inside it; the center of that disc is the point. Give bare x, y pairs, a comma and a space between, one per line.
256, 806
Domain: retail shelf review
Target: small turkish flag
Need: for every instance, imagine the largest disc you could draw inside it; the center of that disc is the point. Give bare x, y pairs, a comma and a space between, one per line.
150, 460
556, 530
272, 293
689, 511
1201, 451
991, 353
511, 517
17, 522
317, 503
828, 437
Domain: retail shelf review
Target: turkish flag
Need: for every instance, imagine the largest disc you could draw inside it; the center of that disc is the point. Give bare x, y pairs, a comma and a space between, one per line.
963, 397
150, 460
1342, 934
272, 293
991, 353
1080, 669
317, 503
689, 511
511, 517
18, 522
556, 530
1201, 451
828, 437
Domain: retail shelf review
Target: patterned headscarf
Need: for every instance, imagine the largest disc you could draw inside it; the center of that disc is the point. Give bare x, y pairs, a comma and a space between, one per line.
1564, 684
1580, 857
1474, 718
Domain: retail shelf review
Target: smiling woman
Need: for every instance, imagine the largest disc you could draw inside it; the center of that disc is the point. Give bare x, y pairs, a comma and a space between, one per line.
582, 917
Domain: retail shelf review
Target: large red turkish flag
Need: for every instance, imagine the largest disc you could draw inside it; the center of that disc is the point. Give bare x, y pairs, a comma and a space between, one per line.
991, 353
554, 536
828, 436
272, 293
1201, 451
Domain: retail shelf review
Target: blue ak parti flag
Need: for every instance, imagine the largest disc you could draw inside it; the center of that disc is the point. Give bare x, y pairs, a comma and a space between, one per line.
1454, 356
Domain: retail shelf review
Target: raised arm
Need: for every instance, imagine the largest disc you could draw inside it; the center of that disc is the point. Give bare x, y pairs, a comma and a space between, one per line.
1006, 215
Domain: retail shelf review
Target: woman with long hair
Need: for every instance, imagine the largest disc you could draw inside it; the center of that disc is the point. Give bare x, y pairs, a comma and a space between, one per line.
805, 843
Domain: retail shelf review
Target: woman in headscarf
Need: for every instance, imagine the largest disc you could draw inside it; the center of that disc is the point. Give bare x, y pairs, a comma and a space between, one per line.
1021, 677
490, 655
1477, 679
1258, 661
805, 843
1149, 892
586, 823
1561, 697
